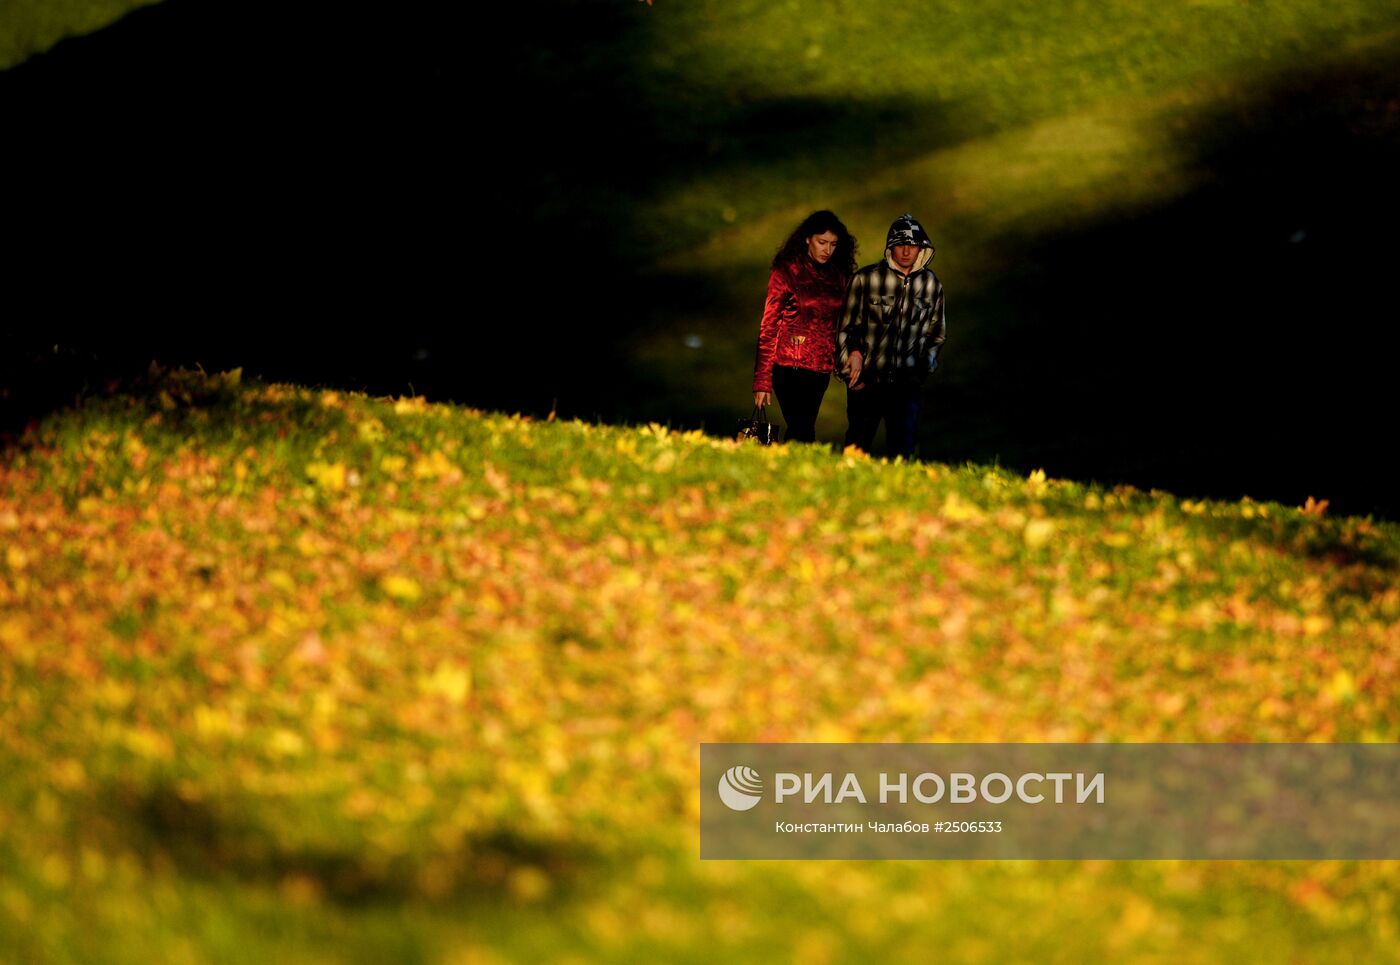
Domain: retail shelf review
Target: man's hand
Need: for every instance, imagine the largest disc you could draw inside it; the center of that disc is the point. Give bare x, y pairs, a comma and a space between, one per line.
761, 399
854, 366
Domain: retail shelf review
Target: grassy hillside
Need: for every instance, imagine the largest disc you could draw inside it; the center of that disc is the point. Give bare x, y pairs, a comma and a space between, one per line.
1148, 204
360, 679
1153, 220
753, 108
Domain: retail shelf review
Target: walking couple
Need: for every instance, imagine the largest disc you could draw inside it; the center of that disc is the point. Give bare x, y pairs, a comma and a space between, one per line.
878, 329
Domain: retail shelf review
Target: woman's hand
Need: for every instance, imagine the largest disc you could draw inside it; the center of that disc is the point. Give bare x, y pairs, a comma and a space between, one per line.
761, 399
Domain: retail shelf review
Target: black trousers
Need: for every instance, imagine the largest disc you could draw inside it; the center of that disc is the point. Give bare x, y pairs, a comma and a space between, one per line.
799, 393
895, 402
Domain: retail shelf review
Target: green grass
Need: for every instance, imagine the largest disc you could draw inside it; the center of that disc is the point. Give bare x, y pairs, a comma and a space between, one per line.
292, 673
958, 73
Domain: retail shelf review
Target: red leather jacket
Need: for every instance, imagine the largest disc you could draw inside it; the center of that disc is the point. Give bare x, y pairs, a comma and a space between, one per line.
799, 319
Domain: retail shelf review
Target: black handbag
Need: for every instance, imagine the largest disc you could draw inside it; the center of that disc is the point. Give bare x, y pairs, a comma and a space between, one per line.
757, 427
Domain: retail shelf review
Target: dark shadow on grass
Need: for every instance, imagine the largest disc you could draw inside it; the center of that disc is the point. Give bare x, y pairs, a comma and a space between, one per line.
210, 841
1239, 341
221, 165
382, 198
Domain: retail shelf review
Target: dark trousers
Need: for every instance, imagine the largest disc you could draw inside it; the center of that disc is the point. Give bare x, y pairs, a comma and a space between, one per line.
799, 393
895, 402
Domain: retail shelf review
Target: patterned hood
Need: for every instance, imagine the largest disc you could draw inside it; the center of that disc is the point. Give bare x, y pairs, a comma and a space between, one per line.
907, 231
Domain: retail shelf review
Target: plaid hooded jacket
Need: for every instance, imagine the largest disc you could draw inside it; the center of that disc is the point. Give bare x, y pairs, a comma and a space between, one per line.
894, 320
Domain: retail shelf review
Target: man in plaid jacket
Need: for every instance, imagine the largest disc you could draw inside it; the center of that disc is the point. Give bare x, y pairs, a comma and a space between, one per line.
888, 340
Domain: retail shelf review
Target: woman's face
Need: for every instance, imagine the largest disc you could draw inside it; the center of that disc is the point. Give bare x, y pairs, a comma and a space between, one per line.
821, 247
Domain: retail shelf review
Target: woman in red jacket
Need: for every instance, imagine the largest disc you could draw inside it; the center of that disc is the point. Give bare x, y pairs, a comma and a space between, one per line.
797, 337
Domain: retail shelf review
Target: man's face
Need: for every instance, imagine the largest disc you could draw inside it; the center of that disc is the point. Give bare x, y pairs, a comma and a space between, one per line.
904, 256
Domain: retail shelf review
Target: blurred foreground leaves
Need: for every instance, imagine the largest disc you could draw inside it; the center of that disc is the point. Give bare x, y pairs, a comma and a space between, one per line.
351, 654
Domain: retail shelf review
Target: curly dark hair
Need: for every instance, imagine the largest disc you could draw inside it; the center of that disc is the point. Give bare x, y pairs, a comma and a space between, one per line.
816, 223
